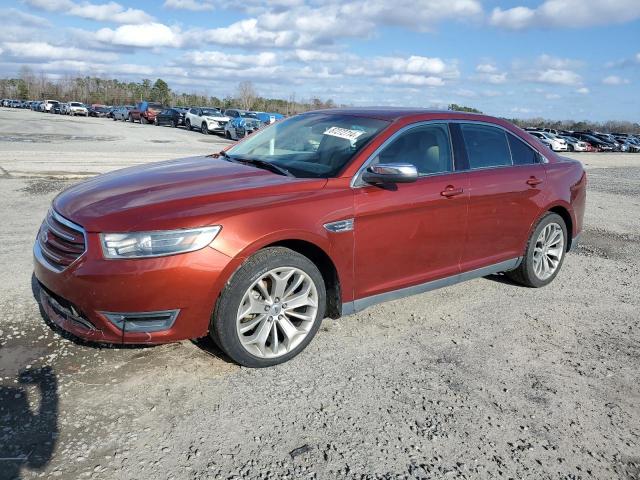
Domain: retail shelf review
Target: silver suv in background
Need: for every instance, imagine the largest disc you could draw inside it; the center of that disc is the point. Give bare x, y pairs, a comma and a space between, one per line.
77, 108
49, 104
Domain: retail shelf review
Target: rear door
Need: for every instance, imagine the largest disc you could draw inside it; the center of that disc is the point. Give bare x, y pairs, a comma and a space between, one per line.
506, 192
410, 233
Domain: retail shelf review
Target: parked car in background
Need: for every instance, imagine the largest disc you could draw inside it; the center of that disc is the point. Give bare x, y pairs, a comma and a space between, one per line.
322, 214
575, 145
78, 108
554, 143
57, 108
206, 120
145, 112
596, 143
268, 118
98, 111
240, 127
49, 104
170, 116
121, 112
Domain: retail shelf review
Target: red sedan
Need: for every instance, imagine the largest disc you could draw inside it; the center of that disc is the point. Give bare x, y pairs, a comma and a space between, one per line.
322, 214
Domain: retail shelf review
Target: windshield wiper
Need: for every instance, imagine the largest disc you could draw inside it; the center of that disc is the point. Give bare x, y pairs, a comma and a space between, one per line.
262, 164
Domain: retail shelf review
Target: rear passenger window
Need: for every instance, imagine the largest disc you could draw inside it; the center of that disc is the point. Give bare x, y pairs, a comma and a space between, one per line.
486, 146
521, 153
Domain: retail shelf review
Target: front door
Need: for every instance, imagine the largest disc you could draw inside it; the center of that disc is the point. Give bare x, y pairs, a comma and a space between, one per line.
411, 233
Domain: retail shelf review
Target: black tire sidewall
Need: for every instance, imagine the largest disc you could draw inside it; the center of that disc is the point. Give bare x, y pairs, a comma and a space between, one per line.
223, 322
528, 271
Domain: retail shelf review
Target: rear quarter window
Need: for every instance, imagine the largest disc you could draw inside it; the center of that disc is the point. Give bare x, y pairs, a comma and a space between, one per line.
521, 153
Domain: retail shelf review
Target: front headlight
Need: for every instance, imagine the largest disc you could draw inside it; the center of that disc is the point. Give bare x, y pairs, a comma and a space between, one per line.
157, 243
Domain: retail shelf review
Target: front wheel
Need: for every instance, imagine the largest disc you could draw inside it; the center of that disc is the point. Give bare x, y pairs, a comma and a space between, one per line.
544, 254
188, 124
204, 128
270, 309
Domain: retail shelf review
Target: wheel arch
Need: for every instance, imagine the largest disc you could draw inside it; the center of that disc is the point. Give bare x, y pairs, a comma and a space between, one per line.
565, 211
315, 249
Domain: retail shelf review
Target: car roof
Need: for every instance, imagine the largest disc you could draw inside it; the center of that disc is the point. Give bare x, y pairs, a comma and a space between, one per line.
397, 113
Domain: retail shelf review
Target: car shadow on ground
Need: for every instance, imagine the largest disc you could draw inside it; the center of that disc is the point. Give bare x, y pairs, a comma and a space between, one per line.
502, 278
28, 434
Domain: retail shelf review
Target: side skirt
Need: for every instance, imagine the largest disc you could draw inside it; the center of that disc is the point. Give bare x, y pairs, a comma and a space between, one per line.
355, 306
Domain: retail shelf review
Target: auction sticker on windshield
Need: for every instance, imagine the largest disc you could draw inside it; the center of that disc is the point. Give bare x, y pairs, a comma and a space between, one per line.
344, 133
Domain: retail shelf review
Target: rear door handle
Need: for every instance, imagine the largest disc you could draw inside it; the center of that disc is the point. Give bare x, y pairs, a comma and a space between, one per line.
533, 181
451, 191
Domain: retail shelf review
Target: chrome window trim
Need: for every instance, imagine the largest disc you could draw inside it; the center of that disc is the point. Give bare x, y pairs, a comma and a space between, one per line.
356, 180
544, 158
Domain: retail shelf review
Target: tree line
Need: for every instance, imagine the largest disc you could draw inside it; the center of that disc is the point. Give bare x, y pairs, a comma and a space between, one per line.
617, 126
95, 90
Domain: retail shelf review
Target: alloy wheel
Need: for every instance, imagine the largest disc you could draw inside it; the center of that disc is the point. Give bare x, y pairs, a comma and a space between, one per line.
548, 251
277, 312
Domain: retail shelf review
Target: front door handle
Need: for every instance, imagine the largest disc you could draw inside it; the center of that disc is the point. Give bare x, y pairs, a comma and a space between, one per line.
533, 181
451, 191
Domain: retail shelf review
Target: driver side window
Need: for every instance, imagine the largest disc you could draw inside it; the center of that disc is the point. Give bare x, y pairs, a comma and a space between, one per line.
427, 147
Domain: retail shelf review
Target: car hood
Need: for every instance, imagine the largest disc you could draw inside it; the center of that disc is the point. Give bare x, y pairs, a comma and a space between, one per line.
185, 193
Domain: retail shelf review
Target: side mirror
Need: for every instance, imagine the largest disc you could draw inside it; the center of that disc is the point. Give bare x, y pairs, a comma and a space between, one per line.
390, 173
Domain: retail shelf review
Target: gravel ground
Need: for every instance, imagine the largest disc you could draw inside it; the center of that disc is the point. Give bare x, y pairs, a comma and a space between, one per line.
481, 380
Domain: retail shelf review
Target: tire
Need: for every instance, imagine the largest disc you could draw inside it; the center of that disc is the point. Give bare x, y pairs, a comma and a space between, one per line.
130, 118
204, 128
227, 320
570, 148
174, 124
227, 135
527, 273
143, 120
187, 124
156, 122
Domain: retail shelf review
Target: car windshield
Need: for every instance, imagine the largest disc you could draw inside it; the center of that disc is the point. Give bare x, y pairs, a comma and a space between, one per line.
76, 104
312, 145
248, 115
211, 112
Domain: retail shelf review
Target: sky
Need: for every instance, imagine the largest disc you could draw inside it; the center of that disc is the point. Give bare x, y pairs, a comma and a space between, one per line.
557, 59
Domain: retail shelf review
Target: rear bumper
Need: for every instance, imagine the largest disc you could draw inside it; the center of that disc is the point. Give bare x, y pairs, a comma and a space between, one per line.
78, 298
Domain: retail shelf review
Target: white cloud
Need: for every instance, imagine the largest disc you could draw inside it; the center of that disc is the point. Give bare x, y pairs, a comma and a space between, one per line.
566, 13
615, 80
226, 60
19, 17
558, 77
46, 51
486, 68
583, 91
105, 12
416, 80
147, 35
323, 23
193, 5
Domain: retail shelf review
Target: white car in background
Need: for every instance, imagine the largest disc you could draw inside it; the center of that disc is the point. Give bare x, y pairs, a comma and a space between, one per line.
575, 145
77, 108
49, 104
554, 143
208, 120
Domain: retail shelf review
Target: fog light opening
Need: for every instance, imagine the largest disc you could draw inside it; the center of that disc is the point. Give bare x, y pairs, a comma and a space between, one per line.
142, 321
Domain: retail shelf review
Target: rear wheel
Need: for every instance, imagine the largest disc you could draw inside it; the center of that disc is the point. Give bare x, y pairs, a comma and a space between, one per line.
270, 309
227, 135
204, 128
188, 124
544, 253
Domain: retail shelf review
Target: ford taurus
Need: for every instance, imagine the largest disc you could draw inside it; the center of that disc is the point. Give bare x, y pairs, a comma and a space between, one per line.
319, 215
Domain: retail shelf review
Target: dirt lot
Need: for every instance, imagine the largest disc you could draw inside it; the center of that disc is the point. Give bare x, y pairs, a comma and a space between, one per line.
481, 380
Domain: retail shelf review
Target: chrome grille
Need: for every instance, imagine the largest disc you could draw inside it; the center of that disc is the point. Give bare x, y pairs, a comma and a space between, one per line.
61, 242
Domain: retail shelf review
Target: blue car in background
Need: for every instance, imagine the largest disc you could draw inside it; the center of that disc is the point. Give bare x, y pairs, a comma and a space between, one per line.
269, 118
